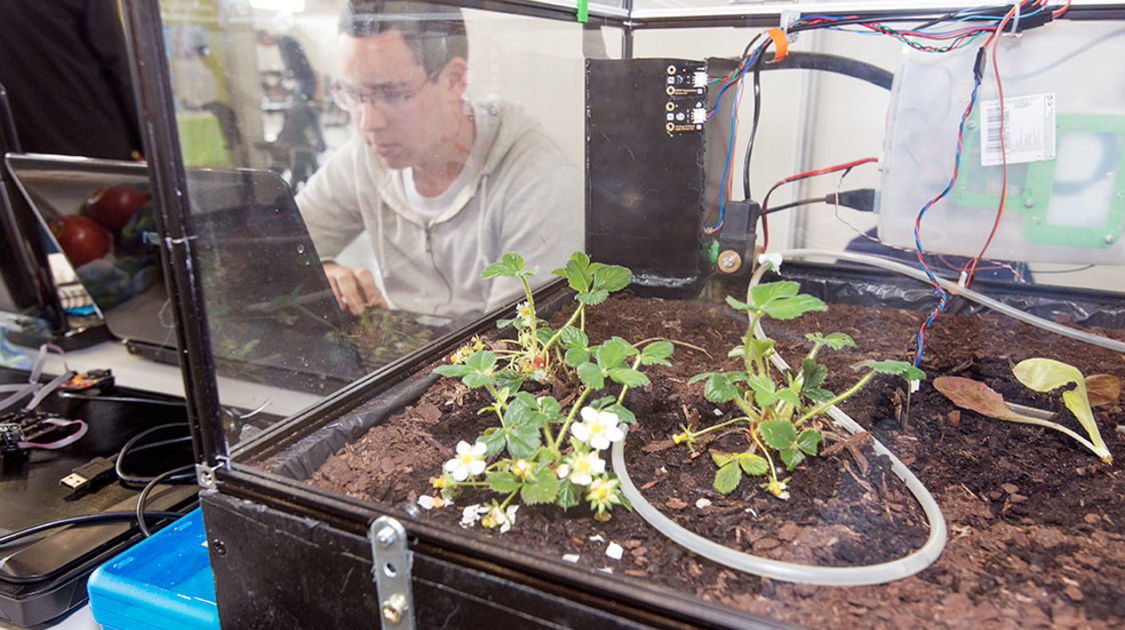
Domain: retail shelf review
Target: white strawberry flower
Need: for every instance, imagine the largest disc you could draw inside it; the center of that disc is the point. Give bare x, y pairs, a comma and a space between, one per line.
599, 429
584, 467
470, 515
469, 461
498, 518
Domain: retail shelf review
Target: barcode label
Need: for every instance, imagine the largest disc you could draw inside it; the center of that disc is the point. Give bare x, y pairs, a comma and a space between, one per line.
1029, 130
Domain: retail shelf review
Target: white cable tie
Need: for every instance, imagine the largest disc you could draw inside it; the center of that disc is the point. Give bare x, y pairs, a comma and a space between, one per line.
1015, 20
772, 261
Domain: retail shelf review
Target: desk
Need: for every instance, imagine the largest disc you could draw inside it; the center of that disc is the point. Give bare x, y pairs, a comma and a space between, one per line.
136, 373
80, 619
145, 375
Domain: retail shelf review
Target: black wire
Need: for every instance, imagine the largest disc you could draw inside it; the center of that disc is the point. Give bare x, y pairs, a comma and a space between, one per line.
136, 399
794, 204
766, 201
754, 126
85, 519
168, 474
118, 468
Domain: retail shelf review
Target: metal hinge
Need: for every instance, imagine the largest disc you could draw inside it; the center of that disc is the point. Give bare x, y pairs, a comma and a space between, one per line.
205, 475
391, 569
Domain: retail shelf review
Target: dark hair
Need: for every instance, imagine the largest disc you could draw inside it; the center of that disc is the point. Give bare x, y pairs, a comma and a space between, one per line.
435, 33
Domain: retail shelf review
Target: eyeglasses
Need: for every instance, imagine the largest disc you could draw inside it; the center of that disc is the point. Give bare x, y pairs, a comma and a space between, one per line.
389, 95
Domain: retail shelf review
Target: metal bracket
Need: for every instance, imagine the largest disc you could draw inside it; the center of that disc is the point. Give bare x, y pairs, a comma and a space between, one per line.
205, 475
392, 562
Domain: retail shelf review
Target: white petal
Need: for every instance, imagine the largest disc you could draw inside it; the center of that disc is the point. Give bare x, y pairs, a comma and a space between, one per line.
581, 479
479, 449
599, 442
459, 472
463, 447
589, 414
615, 433
426, 502
614, 550
581, 431
563, 471
608, 417
476, 467
597, 466
571, 557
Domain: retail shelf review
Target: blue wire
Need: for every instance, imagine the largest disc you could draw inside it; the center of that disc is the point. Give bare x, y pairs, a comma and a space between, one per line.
944, 295
730, 142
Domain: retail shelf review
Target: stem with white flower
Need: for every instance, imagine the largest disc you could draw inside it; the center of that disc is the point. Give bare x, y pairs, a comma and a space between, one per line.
569, 418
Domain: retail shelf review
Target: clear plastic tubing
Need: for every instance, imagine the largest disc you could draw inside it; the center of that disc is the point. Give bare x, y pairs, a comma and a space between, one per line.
789, 571
953, 288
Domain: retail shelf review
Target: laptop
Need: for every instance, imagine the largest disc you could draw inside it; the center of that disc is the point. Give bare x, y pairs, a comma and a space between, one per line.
271, 313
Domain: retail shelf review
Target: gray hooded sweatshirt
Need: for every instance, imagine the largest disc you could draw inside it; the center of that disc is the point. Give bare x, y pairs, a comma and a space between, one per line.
518, 192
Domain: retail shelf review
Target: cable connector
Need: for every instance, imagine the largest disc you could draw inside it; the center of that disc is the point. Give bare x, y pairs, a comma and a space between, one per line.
862, 199
90, 476
979, 64
1034, 20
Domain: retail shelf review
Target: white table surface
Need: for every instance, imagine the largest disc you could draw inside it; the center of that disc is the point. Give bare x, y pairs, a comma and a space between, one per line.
135, 372
142, 374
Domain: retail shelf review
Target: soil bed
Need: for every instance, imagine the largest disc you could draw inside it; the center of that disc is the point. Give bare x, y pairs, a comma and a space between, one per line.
1036, 523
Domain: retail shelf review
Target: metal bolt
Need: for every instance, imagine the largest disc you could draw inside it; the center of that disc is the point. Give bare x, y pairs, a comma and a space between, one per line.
972, 124
219, 547
393, 608
387, 537
1110, 239
1029, 202
729, 261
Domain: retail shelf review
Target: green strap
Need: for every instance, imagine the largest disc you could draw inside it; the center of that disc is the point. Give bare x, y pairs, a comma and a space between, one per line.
583, 11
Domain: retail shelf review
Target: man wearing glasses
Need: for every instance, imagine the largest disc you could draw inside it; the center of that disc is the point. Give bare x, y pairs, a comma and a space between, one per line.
441, 186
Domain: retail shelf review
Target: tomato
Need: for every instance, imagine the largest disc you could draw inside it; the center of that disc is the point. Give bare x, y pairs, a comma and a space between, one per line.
80, 238
113, 206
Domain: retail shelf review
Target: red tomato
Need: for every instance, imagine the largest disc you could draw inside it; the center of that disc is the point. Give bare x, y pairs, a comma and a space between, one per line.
80, 238
112, 206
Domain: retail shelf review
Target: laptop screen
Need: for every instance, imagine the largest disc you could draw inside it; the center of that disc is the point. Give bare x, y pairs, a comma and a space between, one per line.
271, 313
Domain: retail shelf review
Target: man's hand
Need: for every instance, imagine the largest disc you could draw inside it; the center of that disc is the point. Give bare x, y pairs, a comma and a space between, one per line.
354, 287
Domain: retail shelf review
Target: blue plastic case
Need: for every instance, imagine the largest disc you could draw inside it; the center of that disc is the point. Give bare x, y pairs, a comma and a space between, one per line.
163, 582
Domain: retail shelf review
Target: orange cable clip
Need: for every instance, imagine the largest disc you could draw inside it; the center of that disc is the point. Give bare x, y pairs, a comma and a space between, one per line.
780, 43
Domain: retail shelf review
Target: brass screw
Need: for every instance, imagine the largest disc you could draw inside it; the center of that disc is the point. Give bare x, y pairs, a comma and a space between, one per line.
393, 608
729, 261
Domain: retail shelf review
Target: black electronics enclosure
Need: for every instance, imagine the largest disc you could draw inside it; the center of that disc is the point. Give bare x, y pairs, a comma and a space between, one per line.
645, 169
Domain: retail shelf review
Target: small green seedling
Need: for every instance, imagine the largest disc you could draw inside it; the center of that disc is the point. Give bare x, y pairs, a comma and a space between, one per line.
539, 450
779, 411
1041, 375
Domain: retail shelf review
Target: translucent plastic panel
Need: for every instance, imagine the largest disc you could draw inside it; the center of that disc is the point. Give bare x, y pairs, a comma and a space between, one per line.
351, 170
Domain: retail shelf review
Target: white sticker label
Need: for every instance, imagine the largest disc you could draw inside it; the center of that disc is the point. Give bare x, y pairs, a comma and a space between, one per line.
1029, 130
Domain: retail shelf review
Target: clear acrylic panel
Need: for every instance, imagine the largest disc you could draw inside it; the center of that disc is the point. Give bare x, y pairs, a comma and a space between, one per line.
352, 168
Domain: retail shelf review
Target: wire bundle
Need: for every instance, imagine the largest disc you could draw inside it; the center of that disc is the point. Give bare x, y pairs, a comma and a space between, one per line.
937, 33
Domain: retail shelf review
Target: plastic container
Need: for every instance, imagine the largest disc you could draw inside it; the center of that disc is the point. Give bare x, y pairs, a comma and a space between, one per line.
163, 582
1065, 199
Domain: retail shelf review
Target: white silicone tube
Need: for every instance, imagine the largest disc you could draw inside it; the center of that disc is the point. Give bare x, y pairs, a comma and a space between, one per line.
953, 288
789, 571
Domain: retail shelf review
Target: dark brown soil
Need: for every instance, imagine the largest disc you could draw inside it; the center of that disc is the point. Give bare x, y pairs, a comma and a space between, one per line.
1036, 523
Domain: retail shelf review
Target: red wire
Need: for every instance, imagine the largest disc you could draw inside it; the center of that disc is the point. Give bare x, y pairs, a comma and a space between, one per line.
826, 169
995, 39
786, 180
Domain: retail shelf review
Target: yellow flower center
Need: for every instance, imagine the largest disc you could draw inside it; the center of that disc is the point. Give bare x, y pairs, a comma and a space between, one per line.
599, 491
